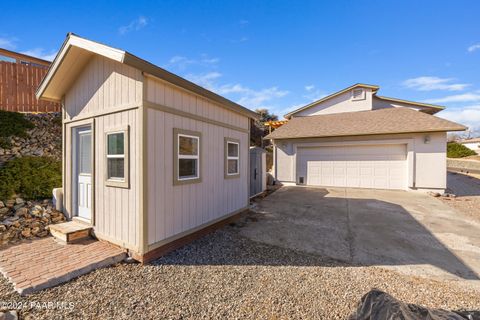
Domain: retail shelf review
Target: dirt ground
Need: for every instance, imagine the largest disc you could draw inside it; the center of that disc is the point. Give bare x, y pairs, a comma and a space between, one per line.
467, 191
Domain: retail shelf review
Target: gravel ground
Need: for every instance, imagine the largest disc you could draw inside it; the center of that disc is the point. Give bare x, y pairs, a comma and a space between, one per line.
467, 189
224, 275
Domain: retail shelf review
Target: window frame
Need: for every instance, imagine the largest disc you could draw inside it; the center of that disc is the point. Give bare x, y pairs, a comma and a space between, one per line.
177, 133
362, 96
227, 157
125, 182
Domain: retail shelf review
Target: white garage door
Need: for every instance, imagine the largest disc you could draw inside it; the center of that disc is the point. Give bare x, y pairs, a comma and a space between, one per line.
366, 166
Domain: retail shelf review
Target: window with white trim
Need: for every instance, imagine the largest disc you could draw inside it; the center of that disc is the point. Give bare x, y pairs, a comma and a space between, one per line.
232, 158
117, 158
187, 156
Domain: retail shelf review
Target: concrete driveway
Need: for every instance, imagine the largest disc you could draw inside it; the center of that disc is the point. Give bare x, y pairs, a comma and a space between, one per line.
410, 232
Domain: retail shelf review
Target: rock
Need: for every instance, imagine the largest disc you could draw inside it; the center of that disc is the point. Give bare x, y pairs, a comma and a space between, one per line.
9, 315
2, 205
3, 228
35, 230
4, 211
26, 233
434, 194
36, 211
22, 212
10, 203
57, 219
19, 201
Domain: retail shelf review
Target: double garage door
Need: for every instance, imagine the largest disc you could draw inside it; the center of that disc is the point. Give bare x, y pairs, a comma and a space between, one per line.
361, 166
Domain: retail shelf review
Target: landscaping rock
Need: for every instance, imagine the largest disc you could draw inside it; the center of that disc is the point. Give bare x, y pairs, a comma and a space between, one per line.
9, 315
44, 139
27, 222
19, 201
2, 205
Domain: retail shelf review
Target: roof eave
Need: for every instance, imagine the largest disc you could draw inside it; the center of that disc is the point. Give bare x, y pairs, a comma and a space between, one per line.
414, 103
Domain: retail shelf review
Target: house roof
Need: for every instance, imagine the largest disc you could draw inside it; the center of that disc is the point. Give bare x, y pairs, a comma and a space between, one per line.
383, 121
430, 108
77, 51
474, 140
357, 85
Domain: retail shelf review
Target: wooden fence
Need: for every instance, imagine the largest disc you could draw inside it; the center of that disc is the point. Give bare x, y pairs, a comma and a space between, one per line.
18, 83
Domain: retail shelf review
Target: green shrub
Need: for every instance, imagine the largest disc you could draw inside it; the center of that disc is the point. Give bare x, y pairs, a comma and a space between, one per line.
12, 124
457, 150
30, 177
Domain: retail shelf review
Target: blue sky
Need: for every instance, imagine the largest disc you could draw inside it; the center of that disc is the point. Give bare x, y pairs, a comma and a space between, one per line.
279, 54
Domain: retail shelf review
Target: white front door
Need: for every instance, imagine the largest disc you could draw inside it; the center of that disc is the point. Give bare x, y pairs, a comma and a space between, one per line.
84, 173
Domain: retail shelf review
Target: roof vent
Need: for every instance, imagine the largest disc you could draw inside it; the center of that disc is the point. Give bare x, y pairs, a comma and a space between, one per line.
358, 94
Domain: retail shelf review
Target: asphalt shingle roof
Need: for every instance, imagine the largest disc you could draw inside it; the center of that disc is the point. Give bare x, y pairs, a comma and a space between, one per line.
382, 121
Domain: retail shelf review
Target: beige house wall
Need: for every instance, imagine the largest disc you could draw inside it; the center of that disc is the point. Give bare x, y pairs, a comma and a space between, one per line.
338, 104
107, 95
103, 86
174, 210
426, 161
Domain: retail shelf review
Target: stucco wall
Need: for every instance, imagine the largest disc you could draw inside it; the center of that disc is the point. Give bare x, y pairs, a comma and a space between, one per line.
428, 167
338, 104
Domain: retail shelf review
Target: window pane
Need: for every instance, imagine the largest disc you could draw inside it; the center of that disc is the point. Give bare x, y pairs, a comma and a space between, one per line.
85, 158
232, 166
188, 146
116, 168
187, 168
232, 150
115, 143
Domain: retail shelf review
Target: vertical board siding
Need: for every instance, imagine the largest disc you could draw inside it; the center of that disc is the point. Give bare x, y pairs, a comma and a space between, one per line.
18, 83
104, 84
168, 95
175, 209
116, 209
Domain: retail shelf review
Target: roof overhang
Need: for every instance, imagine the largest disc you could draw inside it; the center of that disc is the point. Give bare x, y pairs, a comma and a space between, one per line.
76, 52
426, 107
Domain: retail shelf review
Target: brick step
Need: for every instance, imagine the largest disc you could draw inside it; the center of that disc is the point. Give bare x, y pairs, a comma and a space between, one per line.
71, 231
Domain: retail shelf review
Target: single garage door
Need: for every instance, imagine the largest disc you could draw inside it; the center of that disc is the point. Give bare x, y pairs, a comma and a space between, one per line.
365, 166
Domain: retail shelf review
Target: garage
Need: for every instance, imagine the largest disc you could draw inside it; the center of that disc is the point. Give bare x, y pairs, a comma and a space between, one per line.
363, 166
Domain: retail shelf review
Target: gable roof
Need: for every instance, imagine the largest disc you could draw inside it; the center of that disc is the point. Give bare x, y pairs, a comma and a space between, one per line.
382, 121
430, 107
76, 52
357, 85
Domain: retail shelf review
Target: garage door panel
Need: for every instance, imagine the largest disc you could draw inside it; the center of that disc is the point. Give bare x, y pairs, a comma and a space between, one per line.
370, 166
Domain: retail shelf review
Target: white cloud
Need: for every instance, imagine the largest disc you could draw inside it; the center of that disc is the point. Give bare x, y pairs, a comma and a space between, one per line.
474, 47
206, 80
310, 87
134, 25
248, 97
457, 98
8, 43
468, 116
434, 83
182, 63
41, 53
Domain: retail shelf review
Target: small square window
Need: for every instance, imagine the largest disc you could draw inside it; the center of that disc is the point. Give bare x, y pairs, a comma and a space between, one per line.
232, 158
117, 158
358, 94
